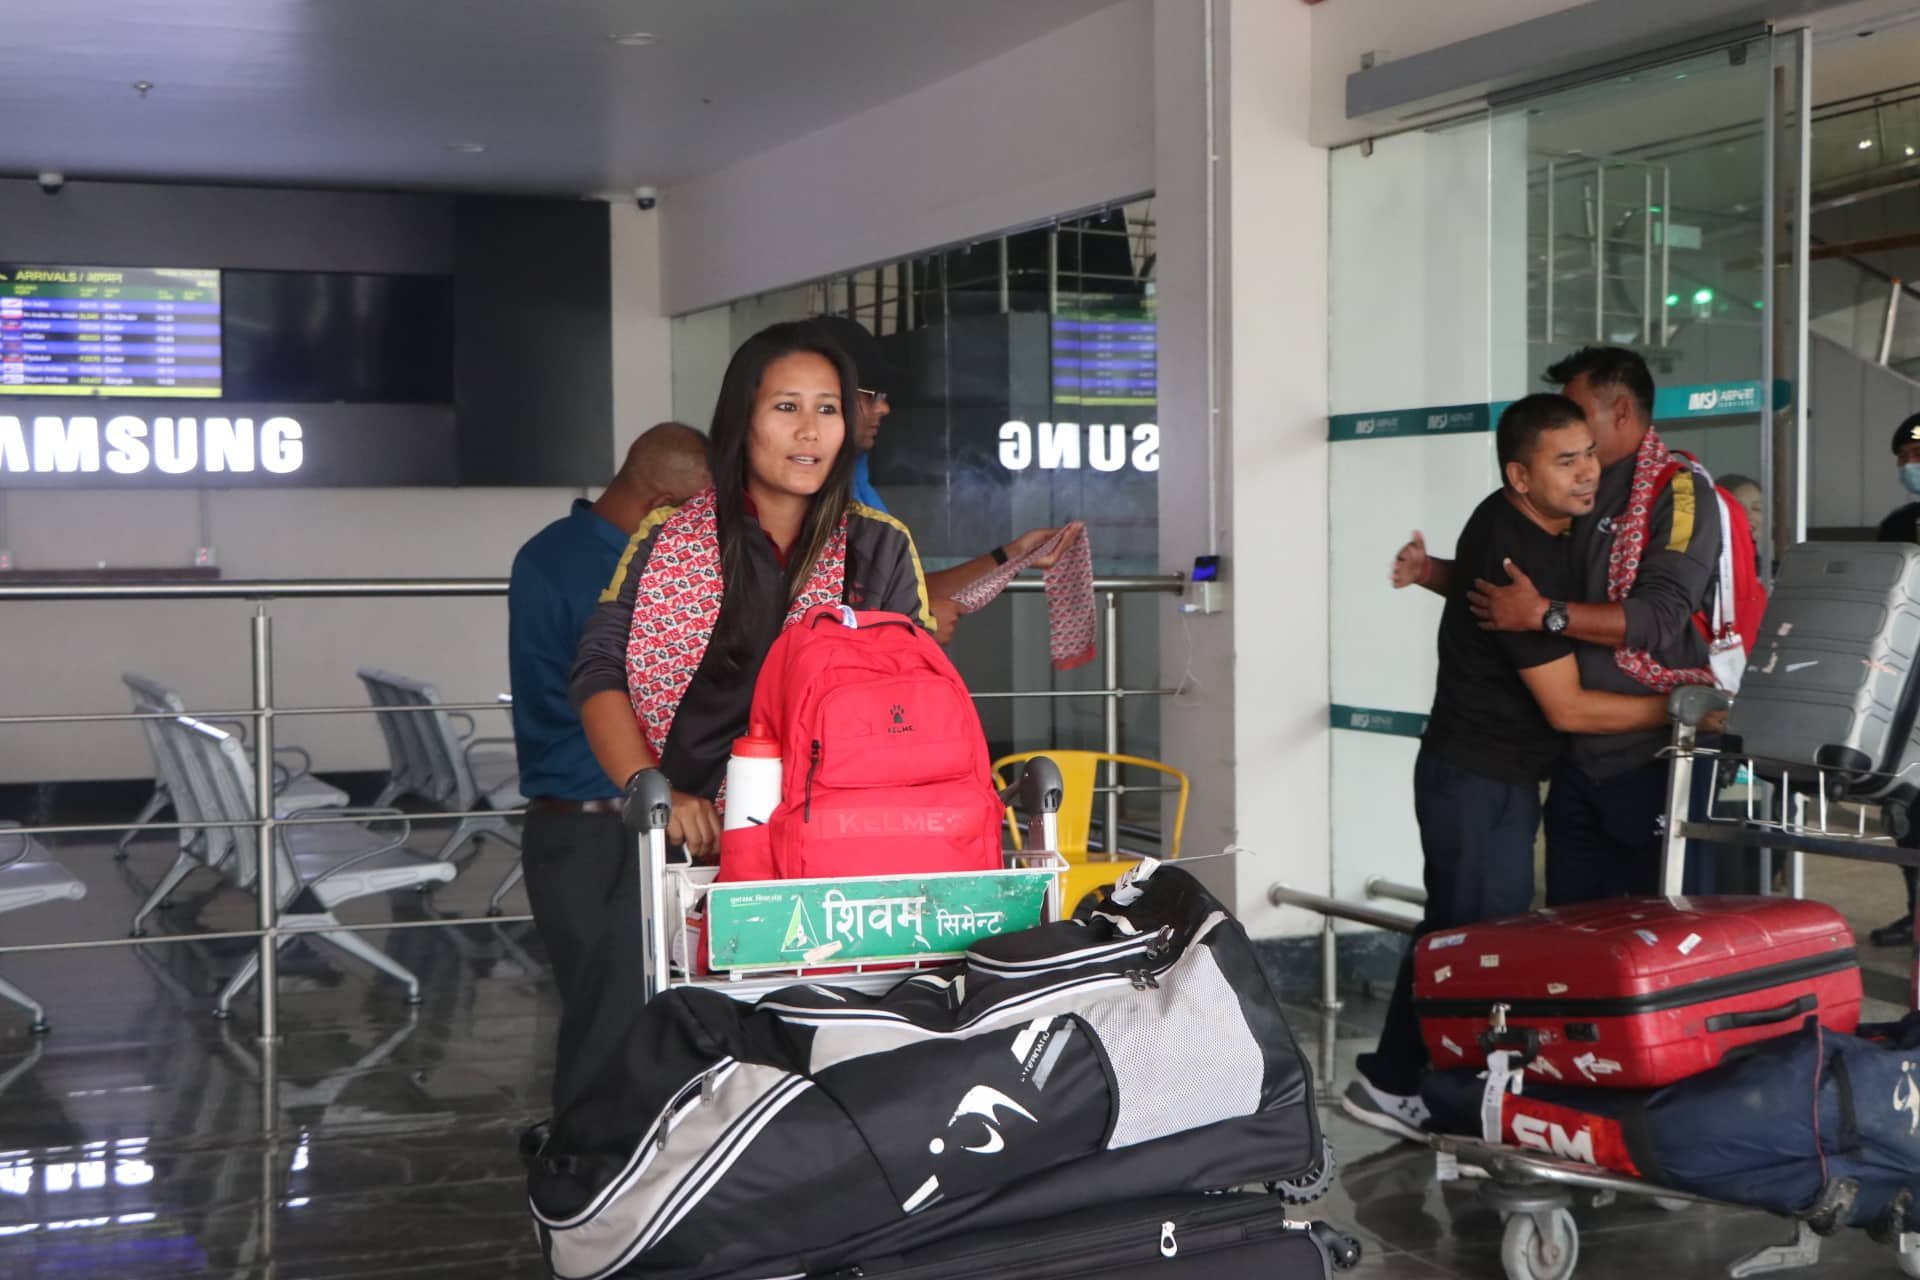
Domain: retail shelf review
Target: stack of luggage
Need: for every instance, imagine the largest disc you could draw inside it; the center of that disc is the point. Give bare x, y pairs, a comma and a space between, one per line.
1087, 1097
1712, 1045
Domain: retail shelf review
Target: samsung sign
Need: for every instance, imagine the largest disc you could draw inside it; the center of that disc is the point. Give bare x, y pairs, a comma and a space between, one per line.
1056, 446
128, 445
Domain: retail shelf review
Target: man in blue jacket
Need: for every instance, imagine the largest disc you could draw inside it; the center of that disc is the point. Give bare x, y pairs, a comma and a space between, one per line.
578, 860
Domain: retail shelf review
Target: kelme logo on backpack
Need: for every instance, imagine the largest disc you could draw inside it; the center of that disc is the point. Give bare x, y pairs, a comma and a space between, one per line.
886, 767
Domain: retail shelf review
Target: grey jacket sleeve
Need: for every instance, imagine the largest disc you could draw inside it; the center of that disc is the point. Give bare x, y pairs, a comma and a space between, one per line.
601, 663
1677, 572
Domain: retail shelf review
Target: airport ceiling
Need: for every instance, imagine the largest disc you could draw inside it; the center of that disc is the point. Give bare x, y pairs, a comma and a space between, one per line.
553, 96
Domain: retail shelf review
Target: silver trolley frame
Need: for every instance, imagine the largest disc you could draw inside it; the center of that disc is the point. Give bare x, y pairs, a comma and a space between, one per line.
667, 894
1534, 1193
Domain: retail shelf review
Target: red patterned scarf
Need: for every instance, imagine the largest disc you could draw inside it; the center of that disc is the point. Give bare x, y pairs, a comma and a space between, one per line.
677, 603
1070, 608
1629, 546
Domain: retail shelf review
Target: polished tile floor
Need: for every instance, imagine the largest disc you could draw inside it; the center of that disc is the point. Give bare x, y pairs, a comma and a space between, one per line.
133, 1141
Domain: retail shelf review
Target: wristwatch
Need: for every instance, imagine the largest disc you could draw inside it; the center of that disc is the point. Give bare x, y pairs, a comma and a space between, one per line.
1555, 620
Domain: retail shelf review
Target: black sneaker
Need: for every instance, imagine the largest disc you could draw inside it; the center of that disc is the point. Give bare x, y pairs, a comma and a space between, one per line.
1897, 934
1402, 1115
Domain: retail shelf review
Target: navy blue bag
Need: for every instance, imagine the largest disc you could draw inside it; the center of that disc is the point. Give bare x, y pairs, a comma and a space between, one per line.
1817, 1125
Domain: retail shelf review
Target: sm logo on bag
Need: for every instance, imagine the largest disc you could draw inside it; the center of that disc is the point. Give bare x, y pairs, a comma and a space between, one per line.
1566, 1133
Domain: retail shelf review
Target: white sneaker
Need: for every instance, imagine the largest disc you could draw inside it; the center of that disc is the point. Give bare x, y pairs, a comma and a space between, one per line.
1404, 1116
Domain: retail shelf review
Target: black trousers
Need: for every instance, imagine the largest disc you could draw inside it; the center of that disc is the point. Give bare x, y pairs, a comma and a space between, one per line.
583, 884
1476, 836
1604, 836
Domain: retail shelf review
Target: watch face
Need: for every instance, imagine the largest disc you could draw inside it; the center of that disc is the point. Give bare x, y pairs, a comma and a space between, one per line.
1556, 619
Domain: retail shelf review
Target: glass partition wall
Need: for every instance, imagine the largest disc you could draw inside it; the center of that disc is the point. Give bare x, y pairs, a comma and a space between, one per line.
1638, 210
1029, 399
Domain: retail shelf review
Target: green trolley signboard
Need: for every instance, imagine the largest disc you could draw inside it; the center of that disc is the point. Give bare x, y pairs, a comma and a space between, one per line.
787, 924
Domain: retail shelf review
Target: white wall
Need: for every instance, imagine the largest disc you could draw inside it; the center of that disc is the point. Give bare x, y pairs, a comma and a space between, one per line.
1062, 123
68, 656
642, 334
1277, 405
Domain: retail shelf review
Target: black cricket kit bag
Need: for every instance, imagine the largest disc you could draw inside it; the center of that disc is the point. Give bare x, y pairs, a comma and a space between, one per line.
1819, 1125
1236, 1236
1134, 1052
1830, 683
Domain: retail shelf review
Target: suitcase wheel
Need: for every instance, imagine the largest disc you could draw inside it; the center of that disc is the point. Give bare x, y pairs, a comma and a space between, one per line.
1542, 1246
1342, 1250
1312, 1184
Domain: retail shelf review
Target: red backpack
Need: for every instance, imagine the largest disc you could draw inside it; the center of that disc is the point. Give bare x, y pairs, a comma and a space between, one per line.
885, 767
1739, 564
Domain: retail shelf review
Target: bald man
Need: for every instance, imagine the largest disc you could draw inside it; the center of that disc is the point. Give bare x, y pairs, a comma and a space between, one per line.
577, 859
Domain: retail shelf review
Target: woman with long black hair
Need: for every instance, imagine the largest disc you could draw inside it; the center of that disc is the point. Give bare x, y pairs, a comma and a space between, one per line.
667, 665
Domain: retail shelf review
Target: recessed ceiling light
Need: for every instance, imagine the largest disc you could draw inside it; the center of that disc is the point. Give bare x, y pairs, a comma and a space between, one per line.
143, 87
1909, 150
1866, 144
633, 39
467, 148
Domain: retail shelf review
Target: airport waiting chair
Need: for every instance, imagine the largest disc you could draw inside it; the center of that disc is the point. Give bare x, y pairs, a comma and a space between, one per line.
317, 867
446, 767
295, 789
1090, 870
30, 877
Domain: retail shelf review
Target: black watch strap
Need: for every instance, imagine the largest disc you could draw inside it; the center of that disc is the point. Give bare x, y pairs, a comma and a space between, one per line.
999, 555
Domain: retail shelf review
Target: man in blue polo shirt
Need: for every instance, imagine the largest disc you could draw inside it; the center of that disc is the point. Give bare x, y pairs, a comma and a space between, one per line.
579, 875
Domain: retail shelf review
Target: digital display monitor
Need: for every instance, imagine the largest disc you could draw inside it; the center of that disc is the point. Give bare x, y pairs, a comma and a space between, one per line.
1106, 358
109, 331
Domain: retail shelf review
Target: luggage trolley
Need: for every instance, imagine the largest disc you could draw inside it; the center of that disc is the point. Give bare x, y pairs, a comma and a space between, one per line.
1533, 1192
860, 932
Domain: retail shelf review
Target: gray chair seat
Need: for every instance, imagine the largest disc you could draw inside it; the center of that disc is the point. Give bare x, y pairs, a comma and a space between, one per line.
307, 792
335, 862
31, 877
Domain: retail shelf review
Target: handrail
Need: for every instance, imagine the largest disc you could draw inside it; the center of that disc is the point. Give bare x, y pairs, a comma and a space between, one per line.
1381, 887
333, 588
1333, 908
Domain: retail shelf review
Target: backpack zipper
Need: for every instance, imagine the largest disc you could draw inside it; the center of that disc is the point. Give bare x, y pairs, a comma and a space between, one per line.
813, 767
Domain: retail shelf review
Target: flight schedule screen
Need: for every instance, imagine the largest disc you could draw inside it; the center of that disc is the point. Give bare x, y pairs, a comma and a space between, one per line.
109, 331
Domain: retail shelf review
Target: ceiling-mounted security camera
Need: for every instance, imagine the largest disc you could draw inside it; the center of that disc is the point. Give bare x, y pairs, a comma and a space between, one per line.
646, 197
51, 183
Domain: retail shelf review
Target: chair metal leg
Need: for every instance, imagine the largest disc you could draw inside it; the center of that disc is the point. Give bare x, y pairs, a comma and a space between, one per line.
159, 800
513, 878
10, 992
183, 866
463, 831
240, 980
355, 945
388, 794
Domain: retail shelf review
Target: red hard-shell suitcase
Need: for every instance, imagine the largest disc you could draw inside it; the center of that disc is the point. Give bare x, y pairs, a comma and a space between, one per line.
1635, 993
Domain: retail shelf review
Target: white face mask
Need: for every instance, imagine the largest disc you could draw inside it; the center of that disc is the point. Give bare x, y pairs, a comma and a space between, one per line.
1910, 477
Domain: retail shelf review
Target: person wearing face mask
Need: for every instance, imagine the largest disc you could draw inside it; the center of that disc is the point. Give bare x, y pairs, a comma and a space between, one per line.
1904, 526
668, 682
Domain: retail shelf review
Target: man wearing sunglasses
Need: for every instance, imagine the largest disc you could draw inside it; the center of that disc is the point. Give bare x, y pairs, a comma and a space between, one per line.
877, 373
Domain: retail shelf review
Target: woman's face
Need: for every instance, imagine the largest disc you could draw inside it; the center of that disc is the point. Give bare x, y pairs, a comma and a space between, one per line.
797, 427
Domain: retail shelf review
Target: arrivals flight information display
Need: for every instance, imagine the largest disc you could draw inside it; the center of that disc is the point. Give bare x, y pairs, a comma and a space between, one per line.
109, 331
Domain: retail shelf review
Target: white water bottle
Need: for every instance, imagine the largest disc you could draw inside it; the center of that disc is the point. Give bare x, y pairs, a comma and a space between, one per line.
753, 779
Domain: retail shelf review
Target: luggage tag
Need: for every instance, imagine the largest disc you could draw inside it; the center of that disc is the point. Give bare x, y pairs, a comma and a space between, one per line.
1501, 1077
1727, 659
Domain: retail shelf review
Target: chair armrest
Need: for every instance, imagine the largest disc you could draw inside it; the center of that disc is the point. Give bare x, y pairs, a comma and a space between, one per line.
300, 770
406, 833
471, 727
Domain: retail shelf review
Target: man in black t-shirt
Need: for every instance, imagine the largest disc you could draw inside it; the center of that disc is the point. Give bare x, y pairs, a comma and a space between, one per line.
1502, 702
1904, 526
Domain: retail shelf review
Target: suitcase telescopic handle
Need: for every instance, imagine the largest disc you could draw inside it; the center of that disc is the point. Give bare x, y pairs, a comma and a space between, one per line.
1763, 1017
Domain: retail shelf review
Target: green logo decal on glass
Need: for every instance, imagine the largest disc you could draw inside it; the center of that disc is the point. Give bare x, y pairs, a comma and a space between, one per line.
1400, 724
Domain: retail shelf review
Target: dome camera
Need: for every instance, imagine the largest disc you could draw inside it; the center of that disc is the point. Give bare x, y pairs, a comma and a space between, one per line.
646, 197
51, 183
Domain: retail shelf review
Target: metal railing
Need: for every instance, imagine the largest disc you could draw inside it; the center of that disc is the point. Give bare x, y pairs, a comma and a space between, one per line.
264, 713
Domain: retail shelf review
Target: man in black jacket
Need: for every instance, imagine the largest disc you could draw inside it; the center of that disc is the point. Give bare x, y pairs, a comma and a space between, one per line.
1502, 702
